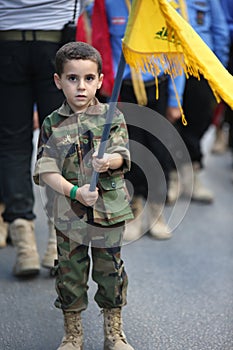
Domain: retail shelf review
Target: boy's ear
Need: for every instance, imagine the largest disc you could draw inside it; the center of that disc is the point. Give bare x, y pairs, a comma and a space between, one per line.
101, 77
57, 81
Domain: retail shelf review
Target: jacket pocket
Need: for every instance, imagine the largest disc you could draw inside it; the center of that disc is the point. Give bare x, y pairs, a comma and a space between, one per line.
113, 201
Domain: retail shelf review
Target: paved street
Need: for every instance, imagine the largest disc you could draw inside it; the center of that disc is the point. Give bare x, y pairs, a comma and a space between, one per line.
180, 293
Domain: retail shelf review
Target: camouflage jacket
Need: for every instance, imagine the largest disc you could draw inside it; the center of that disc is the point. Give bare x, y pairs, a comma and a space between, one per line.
66, 143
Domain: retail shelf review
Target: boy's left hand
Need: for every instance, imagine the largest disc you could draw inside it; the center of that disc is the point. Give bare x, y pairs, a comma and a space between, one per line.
101, 165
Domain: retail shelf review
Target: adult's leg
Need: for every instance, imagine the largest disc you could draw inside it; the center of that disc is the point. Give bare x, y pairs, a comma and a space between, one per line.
198, 108
136, 175
199, 103
135, 179
16, 131
229, 112
157, 152
145, 138
48, 98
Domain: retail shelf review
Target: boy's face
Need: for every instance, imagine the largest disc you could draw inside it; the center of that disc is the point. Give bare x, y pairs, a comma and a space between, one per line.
79, 81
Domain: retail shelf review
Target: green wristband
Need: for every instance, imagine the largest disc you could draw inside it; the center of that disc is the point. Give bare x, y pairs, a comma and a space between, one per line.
73, 192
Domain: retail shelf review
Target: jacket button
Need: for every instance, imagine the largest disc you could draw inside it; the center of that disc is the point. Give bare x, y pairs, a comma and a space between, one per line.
113, 184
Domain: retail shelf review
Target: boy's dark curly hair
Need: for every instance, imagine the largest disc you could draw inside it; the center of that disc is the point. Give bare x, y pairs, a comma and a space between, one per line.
76, 50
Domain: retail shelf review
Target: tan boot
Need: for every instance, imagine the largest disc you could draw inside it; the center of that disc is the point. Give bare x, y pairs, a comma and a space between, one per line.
51, 252
22, 233
220, 142
158, 227
114, 336
173, 192
73, 338
200, 192
3, 228
133, 228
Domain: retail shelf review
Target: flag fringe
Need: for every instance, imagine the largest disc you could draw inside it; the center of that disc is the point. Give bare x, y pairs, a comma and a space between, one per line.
171, 63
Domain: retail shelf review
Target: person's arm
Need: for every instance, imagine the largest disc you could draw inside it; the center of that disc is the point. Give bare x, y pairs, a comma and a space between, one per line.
220, 32
173, 114
227, 6
61, 185
173, 111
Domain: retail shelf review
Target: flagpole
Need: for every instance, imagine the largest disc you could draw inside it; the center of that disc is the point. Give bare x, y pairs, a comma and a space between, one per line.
112, 104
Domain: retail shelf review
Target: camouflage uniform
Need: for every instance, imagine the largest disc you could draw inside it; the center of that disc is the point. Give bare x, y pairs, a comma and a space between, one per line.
66, 144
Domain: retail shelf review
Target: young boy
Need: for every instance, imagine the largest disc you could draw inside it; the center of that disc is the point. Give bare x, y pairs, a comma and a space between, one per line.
67, 155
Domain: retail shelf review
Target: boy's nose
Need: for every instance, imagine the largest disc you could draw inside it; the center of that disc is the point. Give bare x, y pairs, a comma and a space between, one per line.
81, 84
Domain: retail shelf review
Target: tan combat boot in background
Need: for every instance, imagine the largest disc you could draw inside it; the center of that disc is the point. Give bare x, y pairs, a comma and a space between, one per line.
174, 187
200, 193
220, 142
22, 233
133, 228
3, 228
158, 227
73, 338
51, 252
114, 336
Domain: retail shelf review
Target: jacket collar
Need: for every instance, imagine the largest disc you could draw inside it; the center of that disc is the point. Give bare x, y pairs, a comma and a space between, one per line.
96, 108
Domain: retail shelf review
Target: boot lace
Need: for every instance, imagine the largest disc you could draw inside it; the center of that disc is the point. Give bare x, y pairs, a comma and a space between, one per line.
73, 328
113, 325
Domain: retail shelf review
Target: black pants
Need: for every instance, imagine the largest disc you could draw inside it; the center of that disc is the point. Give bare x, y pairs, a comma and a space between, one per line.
198, 105
229, 111
137, 177
26, 77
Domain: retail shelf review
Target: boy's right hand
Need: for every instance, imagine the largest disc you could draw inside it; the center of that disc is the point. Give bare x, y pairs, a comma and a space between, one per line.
86, 197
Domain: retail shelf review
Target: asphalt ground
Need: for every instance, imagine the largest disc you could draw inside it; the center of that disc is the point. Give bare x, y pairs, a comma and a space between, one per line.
180, 294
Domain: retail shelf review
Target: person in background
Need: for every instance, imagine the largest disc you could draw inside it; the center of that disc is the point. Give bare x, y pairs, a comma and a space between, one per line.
4, 232
223, 120
109, 20
3, 227
30, 35
67, 155
208, 20
228, 11
219, 121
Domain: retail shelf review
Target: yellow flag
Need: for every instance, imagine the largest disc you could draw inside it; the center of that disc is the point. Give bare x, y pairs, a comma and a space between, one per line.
157, 37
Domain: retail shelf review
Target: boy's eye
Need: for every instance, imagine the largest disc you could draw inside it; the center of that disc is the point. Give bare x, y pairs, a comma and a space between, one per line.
90, 77
72, 78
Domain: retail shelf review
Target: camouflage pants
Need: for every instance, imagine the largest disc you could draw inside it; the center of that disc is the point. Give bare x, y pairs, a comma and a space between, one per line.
74, 266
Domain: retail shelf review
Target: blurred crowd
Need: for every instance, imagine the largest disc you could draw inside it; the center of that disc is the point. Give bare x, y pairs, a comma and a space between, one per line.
29, 46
